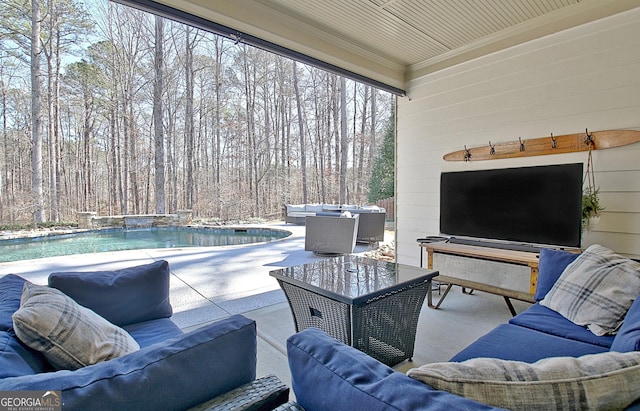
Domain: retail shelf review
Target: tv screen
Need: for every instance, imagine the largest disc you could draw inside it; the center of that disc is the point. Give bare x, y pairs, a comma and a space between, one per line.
539, 205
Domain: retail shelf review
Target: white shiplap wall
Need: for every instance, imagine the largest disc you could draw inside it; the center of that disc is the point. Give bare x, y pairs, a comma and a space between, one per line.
586, 77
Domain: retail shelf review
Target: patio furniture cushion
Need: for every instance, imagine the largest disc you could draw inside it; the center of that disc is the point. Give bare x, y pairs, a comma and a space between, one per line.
69, 336
314, 208
597, 381
122, 297
350, 379
596, 290
10, 292
628, 337
551, 265
291, 208
17, 359
512, 342
153, 331
541, 318
301, 213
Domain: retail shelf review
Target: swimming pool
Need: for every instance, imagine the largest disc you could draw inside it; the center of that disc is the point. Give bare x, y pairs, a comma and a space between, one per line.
120, 239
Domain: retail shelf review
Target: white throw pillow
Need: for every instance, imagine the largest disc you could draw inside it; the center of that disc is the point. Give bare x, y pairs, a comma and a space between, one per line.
69, 335
596, 290
608, 380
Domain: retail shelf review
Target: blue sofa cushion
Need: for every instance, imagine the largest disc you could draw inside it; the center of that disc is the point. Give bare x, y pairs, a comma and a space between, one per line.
541, 318
512, 342
551, 264
153, 331
127, 296
628, 337
17, 359
173, 375
10, 292
351, 379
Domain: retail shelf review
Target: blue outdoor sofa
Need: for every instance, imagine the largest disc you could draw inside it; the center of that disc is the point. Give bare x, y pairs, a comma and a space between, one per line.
501, 368
163, 369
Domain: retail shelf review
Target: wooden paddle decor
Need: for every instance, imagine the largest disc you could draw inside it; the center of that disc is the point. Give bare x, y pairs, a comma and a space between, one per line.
568, 143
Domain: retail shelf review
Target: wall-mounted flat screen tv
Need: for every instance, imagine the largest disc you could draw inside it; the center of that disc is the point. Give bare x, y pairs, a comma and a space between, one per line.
535, 205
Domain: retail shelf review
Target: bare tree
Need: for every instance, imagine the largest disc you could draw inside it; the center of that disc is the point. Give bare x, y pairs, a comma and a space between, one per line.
361, 146
344, 141
373, 148
158, 88
186, 120
53, 94
303, 153
189, 129
36, 120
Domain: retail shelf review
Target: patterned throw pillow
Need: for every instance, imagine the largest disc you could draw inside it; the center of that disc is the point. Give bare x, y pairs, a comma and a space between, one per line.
601, 381
68, 335
596, 290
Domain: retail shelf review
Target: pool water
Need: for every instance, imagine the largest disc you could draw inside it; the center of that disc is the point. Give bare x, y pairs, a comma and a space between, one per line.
120, 239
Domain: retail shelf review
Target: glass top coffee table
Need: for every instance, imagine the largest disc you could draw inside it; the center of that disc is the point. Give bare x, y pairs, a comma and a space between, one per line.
370, 304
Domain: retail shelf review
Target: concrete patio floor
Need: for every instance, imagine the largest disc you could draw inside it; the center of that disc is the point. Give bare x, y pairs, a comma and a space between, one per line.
211, 283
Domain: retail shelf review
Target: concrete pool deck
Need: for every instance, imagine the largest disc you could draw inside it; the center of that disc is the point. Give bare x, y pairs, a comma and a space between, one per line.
214, 282
207, 283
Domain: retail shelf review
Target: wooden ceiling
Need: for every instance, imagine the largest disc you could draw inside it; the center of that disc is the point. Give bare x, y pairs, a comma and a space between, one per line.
395, 41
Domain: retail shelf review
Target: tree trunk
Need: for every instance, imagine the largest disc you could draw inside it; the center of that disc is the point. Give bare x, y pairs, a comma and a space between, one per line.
52, 75
7, 186
172, 177
372, 142
189, 129
320, 158
372, 145
57, 150
36, 120
113, 163
335, 105
158, 87
250, 104
361, 157
303, 154
86, 159
344, 141
219, 49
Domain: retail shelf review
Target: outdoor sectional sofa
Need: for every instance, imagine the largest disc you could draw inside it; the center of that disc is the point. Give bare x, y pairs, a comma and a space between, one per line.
162, 369
370, 227
538, 360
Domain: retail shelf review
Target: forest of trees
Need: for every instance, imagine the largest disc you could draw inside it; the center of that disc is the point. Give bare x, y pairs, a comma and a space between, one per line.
121, 112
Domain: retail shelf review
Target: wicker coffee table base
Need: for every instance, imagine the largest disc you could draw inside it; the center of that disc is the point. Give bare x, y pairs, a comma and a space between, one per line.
384, 327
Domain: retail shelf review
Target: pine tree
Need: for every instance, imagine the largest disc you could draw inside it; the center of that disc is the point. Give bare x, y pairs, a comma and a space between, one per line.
382, 181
